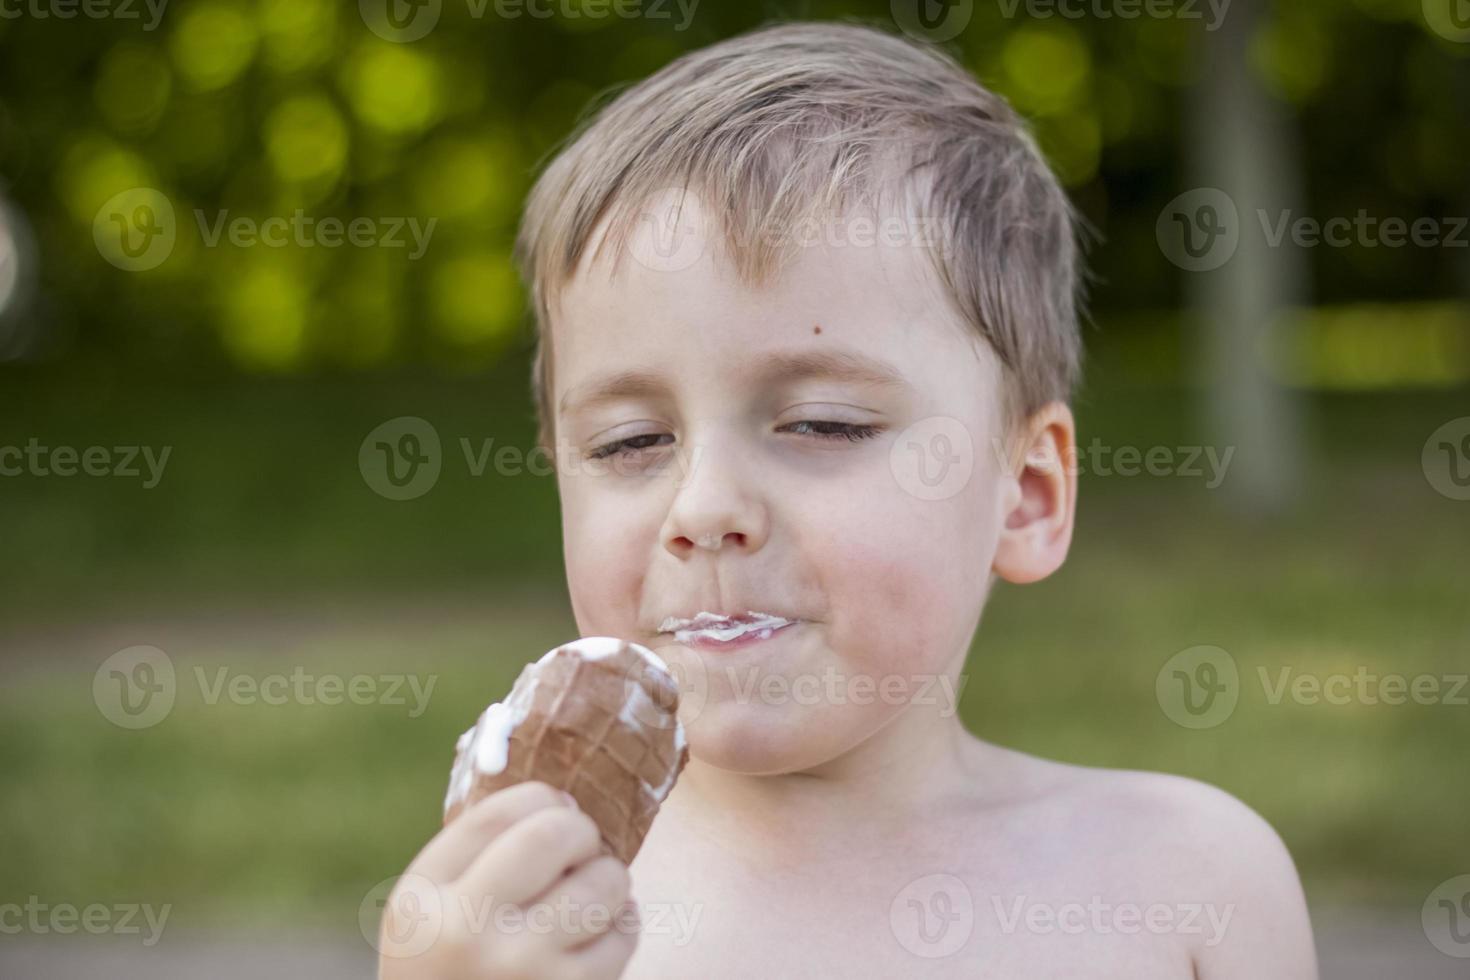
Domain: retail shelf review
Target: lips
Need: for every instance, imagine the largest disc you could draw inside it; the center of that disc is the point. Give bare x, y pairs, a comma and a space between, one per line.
716, 628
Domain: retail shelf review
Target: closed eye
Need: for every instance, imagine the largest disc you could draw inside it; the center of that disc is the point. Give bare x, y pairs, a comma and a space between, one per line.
816, 428
635, 443
850, 431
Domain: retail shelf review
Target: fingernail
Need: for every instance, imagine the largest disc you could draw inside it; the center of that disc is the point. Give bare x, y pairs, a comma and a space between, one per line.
568, 799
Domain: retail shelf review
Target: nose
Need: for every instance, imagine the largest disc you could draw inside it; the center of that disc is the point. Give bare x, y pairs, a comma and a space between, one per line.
717, 505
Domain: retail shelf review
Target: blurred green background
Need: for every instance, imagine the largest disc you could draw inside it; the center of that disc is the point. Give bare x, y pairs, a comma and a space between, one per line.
263, 548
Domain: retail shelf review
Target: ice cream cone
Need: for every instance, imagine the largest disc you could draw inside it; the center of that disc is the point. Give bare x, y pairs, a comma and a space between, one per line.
596, 717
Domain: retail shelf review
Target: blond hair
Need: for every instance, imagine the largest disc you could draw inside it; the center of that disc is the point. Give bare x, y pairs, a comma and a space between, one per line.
795, 120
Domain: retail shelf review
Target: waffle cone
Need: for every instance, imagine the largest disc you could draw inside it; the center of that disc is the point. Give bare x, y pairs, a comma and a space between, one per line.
596, 717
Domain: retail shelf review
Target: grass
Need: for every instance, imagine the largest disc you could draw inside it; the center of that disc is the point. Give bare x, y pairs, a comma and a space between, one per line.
288, 814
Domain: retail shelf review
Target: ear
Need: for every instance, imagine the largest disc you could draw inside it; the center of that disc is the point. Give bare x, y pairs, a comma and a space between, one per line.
1039, 497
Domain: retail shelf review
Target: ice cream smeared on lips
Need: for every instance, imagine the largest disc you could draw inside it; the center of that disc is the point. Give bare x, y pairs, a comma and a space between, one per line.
712, 626
596, 717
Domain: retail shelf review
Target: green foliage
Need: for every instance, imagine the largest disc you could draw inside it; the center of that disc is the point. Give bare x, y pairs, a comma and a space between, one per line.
263, 108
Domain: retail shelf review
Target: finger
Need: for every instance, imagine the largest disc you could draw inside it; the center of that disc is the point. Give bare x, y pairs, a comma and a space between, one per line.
606, 955
592, 895
531, 855
454, 848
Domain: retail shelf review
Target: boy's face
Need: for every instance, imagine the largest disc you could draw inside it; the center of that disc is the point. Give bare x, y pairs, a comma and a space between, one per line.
723, 502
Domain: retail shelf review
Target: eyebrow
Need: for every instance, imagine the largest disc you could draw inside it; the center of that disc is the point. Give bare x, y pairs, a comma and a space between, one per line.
784, 367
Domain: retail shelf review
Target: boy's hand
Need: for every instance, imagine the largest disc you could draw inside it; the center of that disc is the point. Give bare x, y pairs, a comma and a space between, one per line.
519, 888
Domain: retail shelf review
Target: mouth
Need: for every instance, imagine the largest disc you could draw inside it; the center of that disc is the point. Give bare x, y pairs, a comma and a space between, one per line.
713, 631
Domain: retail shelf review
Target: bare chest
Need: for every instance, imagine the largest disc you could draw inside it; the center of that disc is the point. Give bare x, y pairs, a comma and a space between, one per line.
708, 915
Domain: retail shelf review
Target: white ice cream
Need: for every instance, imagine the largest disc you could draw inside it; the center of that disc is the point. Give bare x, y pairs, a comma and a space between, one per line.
708, 625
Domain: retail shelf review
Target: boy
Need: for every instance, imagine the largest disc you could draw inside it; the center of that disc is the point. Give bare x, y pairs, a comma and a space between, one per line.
808, 330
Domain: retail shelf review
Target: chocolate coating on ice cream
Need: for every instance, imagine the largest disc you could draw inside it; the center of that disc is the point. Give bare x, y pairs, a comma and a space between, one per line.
596, 717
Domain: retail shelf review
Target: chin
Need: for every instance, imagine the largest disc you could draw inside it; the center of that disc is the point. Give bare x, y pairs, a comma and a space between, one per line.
764, 740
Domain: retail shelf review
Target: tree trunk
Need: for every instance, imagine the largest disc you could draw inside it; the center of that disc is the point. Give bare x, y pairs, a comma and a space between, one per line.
1244, 143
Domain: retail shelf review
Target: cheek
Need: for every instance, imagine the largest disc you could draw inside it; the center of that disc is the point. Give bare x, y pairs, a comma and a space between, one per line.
903, 590
605, 549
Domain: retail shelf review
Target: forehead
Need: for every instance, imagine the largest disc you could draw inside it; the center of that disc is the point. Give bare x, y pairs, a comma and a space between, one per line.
845, 301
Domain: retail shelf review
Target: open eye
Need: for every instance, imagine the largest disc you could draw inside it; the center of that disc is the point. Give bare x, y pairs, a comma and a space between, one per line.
821, 429
621, 447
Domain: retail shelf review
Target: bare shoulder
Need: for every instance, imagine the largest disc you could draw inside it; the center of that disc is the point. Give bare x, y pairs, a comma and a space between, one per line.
1179, 842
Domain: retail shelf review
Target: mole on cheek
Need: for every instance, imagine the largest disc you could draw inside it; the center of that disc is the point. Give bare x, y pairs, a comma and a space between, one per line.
817, 328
